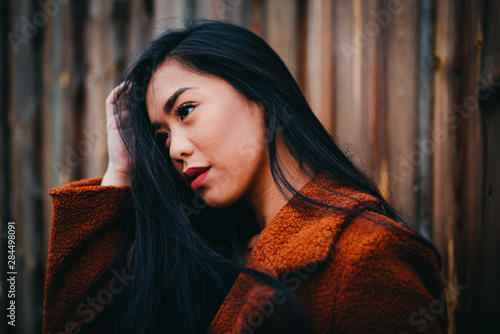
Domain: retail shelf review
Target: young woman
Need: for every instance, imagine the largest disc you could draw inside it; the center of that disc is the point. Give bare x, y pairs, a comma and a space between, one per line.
228, 208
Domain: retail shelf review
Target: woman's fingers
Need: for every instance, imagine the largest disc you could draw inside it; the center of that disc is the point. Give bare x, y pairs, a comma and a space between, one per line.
116, 92
117, 118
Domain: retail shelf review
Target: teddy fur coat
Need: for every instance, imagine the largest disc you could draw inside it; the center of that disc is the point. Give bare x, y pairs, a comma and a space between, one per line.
367, 274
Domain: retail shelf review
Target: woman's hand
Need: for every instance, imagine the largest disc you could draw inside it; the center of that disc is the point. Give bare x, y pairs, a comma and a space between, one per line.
117, 171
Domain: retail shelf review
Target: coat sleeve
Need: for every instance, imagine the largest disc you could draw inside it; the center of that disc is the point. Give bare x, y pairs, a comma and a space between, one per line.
390, 284
85, 237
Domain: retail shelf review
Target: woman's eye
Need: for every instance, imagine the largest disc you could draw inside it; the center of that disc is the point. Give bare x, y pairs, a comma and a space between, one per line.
162, 137
184, 110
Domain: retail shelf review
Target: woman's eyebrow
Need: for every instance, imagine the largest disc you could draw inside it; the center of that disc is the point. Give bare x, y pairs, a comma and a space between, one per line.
167, 109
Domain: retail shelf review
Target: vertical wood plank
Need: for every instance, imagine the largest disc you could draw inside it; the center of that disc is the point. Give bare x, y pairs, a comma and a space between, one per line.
203, 10
118, 26
488, 244
488, 274
445, 157
379, 124
168, 15
302, 45
237, 12
402, 100
319, 74
25, 191
358, 132
64, 163
210, 9
469, 237
59, 103
345, 53
281, 30
49, 176
355, 88
256, 17
233, 11
370, 143
425, 116
99, 80
5, 210
57, 125
138, 26
490, 106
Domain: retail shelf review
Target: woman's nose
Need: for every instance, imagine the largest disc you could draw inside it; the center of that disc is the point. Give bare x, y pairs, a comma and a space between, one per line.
180, 145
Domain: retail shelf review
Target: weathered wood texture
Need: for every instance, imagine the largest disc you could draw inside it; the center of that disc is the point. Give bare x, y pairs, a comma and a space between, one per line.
478, 265
409, 89
445, 159
425, 115
5, 213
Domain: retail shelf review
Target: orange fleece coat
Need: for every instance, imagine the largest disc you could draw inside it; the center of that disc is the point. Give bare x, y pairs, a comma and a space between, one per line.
357, 277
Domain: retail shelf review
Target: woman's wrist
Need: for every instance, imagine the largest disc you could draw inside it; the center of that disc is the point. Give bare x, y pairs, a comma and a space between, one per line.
115, 178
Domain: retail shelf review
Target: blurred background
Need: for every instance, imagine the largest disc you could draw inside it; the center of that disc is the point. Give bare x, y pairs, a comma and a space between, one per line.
409, 88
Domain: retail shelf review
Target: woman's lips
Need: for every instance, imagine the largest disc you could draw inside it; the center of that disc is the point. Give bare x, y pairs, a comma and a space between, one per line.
195, 176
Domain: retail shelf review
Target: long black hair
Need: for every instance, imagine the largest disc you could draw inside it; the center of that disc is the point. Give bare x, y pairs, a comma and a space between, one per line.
181, 252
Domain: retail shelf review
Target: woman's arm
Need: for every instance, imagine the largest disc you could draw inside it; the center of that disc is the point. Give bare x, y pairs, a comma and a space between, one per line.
85, 237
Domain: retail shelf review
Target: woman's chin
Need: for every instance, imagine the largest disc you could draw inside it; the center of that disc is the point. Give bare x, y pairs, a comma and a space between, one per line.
217, 201
217, 204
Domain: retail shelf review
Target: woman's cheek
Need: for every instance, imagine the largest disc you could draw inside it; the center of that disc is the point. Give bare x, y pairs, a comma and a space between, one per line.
221, 189
232, 167
250, 149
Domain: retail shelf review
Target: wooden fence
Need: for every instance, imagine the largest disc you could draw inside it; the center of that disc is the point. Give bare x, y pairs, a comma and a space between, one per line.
409, 88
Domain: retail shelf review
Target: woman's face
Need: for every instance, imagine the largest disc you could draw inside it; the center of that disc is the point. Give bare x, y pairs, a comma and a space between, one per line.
216, 138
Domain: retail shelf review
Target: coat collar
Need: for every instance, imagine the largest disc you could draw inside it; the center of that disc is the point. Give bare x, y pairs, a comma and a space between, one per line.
298, 237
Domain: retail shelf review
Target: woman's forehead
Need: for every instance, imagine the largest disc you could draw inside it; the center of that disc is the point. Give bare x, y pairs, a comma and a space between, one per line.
172, 76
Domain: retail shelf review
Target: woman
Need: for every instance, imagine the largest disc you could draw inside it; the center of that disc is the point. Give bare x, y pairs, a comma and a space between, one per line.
227, 207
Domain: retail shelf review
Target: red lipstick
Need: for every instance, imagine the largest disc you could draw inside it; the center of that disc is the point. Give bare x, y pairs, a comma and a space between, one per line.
195, 176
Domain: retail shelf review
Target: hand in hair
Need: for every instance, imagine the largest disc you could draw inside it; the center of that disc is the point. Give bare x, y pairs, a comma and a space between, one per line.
117, 172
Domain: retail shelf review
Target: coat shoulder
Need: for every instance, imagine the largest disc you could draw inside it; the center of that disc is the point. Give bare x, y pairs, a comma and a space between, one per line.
376, 277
